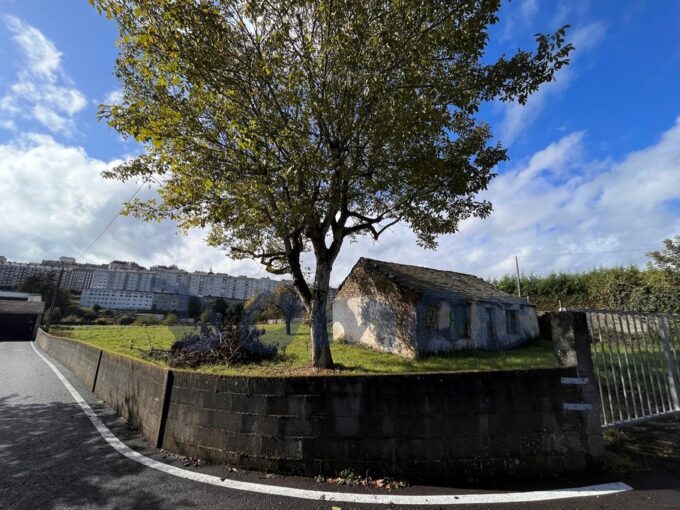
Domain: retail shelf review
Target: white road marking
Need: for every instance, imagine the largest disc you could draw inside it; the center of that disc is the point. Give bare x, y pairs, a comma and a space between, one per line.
345, 497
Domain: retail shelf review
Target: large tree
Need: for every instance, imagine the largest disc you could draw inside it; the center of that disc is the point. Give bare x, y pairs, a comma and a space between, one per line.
288, 126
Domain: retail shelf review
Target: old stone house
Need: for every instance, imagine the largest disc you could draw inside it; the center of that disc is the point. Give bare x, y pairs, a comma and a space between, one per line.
410, 310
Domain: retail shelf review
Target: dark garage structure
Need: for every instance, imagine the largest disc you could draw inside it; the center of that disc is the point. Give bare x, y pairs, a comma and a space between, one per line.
20, 315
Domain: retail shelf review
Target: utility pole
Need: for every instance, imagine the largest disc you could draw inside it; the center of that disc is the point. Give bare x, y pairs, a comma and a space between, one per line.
54, 298
519, 288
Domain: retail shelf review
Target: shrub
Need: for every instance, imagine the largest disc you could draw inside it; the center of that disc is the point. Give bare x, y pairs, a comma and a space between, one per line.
74, 310
72, 318
102, 322
621, 288
170, 320
125, 320
89, 315
146, 320
53, 316
96, 308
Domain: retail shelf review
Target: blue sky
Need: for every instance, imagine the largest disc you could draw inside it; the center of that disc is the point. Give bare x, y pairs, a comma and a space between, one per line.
594, 175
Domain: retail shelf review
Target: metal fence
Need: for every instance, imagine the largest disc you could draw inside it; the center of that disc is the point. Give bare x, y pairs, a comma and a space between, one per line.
636, 357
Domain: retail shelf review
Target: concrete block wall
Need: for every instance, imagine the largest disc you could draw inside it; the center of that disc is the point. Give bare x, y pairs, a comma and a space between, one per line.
433, 427
429, 427
134, 390
80, 358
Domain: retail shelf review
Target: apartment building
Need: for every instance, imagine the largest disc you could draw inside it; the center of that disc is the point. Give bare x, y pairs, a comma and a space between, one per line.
13, 274
117, 299
124, 276
134, 300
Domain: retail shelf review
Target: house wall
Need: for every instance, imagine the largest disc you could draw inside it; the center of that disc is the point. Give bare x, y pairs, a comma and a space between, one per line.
486, 330
500, 338
375, 323
431, 341
371, 310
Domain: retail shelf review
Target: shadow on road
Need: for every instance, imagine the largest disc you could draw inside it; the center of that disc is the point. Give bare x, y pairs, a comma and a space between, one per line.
51, 456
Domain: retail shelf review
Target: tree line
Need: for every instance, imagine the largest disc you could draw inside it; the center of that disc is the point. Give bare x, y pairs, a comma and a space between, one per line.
655, 288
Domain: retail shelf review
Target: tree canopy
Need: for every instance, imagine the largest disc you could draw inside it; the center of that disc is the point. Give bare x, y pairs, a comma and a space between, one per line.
45, 284
667, 258
286, 126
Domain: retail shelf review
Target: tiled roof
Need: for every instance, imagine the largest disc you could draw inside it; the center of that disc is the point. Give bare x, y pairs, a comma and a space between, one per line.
21, 307
424, 279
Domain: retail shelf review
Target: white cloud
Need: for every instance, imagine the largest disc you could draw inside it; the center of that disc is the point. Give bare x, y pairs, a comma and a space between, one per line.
114, 97
554, 204
42, 56
518, 117
520, 17
586, 37
55, 202
42, 90
9, 125
529, 9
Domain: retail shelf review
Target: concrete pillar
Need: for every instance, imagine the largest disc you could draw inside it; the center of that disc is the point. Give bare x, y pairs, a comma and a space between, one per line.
36, 327
571, 342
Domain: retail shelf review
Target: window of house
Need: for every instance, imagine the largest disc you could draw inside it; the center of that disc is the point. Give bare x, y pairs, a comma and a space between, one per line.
438, 316
460, 321
512, 321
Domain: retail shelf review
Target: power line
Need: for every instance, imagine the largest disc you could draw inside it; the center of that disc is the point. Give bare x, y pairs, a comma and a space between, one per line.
109, 224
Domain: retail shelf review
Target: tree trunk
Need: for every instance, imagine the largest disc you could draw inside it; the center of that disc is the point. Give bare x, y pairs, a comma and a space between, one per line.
287, 327
315, 298
321, 349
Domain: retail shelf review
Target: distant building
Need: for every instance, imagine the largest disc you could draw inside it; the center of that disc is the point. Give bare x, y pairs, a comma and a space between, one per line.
117, 299
13, 274
78, 279
121, 264
410, 310
131, 277
134, 300
63, 261
170, 302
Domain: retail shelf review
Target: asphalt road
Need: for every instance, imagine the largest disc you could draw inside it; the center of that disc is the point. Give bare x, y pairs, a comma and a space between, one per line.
52, 457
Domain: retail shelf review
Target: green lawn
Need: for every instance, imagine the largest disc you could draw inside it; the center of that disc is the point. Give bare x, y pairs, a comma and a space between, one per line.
134, 341
294, 359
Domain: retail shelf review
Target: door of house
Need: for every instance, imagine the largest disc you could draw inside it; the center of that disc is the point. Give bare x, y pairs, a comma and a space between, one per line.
491, 340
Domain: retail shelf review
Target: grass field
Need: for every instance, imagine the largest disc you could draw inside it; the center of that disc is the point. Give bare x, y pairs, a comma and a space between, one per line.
294, 357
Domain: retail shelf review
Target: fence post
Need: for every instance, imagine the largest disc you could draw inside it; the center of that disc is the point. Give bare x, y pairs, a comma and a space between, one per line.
672, 383
571, 342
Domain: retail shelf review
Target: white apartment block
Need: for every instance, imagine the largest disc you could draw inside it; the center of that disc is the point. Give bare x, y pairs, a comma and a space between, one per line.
134, 300
116, 299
